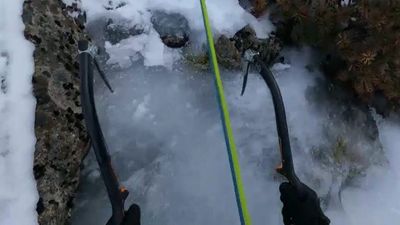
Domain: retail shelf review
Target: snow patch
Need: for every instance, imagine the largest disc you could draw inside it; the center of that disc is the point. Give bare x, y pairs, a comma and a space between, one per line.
280, 67
226, 16
18, 194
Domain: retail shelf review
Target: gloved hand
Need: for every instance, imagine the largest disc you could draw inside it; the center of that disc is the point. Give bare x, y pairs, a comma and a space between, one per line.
132, 216
301, 208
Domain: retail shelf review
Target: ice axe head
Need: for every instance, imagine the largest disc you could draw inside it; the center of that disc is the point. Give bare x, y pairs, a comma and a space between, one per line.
84, 46
246, 76
249, 56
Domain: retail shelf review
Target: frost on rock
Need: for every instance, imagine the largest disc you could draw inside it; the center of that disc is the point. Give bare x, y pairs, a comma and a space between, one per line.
18, 193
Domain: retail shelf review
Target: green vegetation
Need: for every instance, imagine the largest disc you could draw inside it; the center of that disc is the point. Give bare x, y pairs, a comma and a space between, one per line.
363, 39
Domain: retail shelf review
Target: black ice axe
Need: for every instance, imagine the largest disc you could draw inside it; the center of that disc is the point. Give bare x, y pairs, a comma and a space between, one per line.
116, 193
286, 167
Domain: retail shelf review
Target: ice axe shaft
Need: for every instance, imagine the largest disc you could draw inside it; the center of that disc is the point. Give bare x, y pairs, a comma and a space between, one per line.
286, 167
116, 193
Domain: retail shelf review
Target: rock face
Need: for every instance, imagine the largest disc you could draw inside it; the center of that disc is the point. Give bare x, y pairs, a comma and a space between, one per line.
61, 136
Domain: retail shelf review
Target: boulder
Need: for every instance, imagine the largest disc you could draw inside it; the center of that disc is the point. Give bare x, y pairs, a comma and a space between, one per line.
228, 55
173, 28
230, 50
268, 48
114, 32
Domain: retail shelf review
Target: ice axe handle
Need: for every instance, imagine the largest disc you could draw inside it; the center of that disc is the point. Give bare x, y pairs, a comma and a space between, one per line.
286, 167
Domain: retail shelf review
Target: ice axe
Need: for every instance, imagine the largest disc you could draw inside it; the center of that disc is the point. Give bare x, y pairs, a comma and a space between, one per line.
116, 193
286, 167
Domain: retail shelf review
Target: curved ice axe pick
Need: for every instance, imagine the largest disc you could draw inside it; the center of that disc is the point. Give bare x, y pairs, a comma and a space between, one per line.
286, 167
116, 193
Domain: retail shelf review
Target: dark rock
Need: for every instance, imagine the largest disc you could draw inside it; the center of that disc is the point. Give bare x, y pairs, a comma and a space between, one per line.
380, 104
115, 32
61, 137
245, 39
172, 27
228, 55
230, 50
268, 48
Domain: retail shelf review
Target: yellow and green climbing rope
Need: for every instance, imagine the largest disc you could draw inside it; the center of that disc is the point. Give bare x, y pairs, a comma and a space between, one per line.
230, 142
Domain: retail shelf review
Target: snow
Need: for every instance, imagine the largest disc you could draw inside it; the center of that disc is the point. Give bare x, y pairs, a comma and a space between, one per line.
226, 17
280, 66
346, 2
376, 201
18, 194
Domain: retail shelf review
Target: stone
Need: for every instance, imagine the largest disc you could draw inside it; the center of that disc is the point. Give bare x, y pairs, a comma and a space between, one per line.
59, 128
173, 28
230, 50
227, 53
268, 48
115, 32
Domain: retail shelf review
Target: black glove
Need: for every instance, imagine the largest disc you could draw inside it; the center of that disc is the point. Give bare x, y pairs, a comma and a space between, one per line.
301, 208
132, 216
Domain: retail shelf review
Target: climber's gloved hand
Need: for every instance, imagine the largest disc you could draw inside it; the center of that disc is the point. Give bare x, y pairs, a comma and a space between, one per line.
301, 208
132, 216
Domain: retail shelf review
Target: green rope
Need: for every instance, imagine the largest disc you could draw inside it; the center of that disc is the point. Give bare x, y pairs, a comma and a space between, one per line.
230, 143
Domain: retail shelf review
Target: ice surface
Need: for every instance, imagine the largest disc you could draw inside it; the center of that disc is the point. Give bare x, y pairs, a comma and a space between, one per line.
376, 201
164, 131
165, 135
18, 194
163, 128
